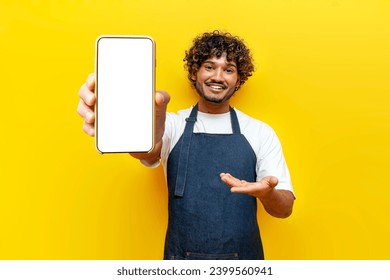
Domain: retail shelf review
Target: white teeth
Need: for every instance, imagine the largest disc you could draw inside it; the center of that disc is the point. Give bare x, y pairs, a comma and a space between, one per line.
216, 87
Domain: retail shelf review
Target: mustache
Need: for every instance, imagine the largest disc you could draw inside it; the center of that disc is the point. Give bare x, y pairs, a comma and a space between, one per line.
211, 82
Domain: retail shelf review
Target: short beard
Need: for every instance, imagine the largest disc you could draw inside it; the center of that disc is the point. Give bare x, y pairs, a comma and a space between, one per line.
214, 100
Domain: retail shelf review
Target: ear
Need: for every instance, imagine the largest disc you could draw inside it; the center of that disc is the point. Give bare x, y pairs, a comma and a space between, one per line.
238, 83
193, 76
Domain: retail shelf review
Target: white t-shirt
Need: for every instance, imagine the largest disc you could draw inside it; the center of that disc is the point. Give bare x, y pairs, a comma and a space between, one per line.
261, 137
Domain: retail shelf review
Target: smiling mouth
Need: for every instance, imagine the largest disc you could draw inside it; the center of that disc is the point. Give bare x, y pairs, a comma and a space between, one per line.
216, 86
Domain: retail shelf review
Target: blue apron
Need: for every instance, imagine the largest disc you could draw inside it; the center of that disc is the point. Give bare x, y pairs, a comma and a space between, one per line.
206, 220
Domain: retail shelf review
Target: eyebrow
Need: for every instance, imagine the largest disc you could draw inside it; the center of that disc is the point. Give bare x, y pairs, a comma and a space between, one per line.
232, 64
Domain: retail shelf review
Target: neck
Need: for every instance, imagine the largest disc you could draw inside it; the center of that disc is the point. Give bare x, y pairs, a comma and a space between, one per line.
213, 108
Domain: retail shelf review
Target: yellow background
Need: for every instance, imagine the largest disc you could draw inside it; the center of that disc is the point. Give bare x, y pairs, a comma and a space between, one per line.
322, 82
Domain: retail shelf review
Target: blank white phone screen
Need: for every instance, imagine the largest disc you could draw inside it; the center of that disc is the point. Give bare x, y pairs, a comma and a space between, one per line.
125, 84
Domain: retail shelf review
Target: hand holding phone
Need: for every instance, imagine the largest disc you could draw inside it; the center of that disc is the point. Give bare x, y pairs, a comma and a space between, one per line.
125, 88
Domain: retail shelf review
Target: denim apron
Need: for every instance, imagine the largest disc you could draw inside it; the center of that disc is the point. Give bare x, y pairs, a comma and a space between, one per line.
206, 220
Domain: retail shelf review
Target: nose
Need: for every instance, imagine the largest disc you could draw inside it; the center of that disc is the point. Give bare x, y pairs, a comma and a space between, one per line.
218, 75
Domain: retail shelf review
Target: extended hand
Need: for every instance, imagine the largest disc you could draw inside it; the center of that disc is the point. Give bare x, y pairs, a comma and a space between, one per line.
278, 203
257, 189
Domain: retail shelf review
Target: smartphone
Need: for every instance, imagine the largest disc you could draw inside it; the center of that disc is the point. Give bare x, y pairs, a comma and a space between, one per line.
125, 90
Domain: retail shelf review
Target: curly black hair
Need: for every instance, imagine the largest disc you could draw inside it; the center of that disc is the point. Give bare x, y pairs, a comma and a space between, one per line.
216, 43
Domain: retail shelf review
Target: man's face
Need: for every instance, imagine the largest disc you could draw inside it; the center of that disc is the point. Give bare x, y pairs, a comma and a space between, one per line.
216, 80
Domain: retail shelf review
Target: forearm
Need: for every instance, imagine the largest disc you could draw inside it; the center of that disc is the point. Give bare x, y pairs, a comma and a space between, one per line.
278, 203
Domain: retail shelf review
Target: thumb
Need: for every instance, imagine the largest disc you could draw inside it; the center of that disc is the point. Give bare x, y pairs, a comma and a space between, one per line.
162, 98
271, 181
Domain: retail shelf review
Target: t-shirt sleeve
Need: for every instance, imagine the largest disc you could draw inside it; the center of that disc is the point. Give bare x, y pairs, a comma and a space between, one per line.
271, 161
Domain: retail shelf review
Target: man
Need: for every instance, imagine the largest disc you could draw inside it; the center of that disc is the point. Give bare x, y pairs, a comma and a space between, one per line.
218, 161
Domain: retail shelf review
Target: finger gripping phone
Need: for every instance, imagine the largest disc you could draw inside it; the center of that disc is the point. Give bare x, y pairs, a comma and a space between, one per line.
125, 89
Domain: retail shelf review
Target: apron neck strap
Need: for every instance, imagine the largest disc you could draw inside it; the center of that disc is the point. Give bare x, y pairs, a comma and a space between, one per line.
235, 125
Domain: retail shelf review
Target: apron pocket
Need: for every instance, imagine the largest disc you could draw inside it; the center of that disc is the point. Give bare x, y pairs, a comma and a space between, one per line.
201, 256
